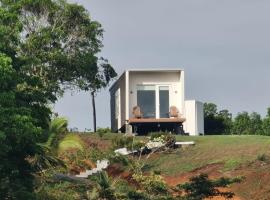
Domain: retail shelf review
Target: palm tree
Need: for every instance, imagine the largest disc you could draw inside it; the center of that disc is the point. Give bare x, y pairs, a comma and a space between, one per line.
46, 155
57, 129
104, 188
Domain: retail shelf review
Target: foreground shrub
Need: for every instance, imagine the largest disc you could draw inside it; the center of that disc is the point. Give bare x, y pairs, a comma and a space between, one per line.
102, 131
71, 141
262, 157
167, 138
55, 191
153, 183
121, 141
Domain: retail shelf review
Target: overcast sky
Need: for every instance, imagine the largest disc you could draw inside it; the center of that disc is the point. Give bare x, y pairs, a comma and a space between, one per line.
223, 46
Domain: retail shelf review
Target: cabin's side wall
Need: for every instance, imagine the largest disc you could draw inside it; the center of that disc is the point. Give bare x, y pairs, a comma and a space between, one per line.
182, 86
194, 124
122, 85
118, 85
173, 79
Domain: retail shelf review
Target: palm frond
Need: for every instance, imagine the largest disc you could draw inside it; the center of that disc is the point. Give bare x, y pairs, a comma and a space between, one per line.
57, 128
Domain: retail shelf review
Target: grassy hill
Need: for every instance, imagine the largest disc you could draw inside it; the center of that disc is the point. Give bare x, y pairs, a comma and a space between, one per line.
231, 151
218, 156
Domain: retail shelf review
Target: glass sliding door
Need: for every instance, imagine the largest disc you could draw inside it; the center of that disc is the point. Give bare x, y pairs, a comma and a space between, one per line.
163, 101
146, 100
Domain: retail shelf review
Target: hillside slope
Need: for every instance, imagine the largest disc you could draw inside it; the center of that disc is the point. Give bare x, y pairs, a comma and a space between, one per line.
218, 156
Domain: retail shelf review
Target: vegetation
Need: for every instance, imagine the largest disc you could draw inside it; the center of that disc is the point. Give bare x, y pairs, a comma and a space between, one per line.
102, 131
228, 151
221, 122
200, 187
45, 47
216, 122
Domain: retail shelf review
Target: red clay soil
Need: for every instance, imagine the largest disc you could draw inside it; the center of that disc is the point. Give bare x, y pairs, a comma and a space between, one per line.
116, 171
213, 171
256, 183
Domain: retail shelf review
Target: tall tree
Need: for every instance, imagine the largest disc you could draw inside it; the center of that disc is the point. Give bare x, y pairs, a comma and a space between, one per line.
266, 123
256, 124
60, 43
241, 124
45, 47
104, 74
226, 117
216, 122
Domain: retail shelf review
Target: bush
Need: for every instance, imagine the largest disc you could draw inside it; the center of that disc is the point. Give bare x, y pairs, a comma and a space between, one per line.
102, 131
71, 141
262, 157
200, 187
167, 138
121, 141
153, 183
58, 190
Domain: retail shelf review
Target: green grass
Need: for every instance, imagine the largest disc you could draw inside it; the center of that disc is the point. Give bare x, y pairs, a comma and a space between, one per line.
232, 151
243, 156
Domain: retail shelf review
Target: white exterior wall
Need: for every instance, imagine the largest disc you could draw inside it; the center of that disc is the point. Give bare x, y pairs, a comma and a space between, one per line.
174, 79
120, 86
194, 124
126, 85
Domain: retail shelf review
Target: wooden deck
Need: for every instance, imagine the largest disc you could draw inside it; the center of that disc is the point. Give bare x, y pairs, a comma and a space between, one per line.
154, 120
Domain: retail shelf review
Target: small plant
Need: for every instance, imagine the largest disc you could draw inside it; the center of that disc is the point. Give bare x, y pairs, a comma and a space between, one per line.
137, 145
71, 141
262, 157
153, 183
102, 131
121, 141
104, 188
167, 138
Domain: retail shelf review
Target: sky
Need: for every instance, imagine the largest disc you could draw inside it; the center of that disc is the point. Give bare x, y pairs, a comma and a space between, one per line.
223, 46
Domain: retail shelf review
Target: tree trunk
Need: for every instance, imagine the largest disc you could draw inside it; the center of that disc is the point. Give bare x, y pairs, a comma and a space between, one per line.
94, 111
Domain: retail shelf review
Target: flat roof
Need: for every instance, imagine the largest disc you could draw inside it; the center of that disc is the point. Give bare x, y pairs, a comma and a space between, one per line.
154, 70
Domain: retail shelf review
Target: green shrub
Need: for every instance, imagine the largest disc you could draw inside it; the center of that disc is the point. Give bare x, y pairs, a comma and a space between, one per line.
200, 187
102, 131
58, 190
262, 157
121, 141
71, 141
154, 135
168, 138
137, 195
153, 183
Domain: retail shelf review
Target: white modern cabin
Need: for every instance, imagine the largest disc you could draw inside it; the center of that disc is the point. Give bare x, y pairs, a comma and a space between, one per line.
155, 91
